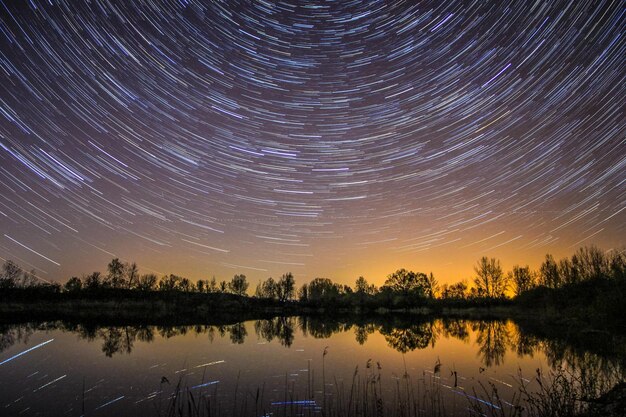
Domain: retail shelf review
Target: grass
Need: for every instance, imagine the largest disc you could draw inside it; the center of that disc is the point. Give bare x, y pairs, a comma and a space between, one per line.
558, 393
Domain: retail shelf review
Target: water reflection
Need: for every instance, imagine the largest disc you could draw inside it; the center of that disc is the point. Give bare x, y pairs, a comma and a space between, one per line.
321, 327
407, 338
596, 352
493, 338
12, 334
362, 331
281, 328
455, 328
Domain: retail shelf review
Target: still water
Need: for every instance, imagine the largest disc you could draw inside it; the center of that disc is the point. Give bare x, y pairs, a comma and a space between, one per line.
283, 366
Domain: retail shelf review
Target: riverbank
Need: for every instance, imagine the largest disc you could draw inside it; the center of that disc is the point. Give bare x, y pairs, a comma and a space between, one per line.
182, 309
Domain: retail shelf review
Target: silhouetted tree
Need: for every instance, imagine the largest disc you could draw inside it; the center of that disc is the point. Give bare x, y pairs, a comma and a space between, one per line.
522, 279
490, 281
473, 293
593, 263
408, 282
147, 282
92, 281
568, 271
73, 284
303, 293
285, 287
432, 288
238, 285
364, 291
454, 291
212, 285
169, 283
185, 285
115, 278
549, 273
362, 287
322, 290
10, 274
28, 279
266, 289
617, 265
132, 274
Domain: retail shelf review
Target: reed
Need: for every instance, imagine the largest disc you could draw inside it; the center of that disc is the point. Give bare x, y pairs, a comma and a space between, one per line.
557, 393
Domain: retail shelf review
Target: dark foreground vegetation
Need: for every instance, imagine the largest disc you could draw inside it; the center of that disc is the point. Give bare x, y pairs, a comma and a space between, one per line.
554, 394
557, 393
589, 286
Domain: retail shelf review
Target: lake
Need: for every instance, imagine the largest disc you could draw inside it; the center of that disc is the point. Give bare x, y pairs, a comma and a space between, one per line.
290, 366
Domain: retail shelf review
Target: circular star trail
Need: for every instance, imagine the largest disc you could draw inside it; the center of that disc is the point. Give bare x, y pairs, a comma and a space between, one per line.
329, 138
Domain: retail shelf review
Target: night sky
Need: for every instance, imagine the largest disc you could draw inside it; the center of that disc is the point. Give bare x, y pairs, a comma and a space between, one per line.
326, 138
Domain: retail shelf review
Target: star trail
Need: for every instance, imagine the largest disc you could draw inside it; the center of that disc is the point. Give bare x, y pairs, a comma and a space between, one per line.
327, 138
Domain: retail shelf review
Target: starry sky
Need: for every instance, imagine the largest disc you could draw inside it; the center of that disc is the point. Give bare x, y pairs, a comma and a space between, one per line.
327, 138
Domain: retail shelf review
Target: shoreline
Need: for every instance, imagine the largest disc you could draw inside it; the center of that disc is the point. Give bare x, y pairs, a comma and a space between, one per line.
177, 310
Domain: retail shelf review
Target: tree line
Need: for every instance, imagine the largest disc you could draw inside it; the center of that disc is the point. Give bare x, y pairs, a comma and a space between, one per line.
401, 289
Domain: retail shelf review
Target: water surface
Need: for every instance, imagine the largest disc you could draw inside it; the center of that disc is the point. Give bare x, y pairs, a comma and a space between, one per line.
266, 365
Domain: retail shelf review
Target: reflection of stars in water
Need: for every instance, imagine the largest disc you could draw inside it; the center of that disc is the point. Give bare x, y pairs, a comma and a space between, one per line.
265, 137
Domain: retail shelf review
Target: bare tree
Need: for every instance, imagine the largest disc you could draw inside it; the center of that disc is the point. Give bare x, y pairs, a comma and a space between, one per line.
490, 281
617, 264
549, 273
10, 274
522, 279
29, 279
132, 274
593, 263
433, 286
147, 282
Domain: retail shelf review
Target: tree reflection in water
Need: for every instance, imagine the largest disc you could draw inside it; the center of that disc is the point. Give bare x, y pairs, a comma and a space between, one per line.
591, 356
362, 331
281, 328
453, 328
238, 333
321, 327
406, 339
493, 338
10, 335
